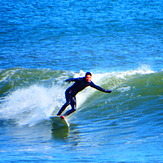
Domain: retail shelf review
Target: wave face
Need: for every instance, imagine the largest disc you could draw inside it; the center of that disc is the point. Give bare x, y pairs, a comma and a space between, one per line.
128, 118
29, 96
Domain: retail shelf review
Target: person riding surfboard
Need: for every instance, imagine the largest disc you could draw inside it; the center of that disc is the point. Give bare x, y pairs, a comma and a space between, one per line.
79, 85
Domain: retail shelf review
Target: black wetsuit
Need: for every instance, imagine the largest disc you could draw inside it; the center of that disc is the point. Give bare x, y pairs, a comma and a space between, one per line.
79, 85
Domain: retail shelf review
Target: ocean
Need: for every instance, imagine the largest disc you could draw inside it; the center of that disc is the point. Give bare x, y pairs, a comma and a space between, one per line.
43, 43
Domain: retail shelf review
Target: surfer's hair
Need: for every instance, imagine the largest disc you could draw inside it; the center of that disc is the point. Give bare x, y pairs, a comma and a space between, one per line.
88, 73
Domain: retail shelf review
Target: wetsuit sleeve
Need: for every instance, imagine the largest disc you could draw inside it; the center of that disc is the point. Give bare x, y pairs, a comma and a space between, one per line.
71, 80
99, 88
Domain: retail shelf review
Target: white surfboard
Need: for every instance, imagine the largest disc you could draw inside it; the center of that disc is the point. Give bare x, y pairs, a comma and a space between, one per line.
59, 121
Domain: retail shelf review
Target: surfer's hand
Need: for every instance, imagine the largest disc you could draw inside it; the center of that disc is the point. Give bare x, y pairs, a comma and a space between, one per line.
67, 80
108, 91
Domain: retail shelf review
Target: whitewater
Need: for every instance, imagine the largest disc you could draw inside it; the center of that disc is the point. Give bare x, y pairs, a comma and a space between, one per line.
120, 121
37, 102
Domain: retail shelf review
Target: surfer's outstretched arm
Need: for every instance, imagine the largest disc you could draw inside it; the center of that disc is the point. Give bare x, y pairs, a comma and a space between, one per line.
100, 88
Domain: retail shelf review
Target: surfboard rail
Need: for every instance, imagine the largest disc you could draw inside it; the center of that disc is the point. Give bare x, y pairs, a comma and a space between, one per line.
59, 121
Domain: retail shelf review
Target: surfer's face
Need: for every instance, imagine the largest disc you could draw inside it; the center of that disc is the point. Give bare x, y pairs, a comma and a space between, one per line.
88, 78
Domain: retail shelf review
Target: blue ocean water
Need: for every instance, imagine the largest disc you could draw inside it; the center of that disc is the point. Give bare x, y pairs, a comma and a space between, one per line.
42, 43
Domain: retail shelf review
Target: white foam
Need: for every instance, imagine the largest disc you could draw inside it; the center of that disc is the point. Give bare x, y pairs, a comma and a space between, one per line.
31, 105
144, 69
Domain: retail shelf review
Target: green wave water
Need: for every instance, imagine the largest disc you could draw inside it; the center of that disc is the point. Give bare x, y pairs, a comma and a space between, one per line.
128, 118
131, 91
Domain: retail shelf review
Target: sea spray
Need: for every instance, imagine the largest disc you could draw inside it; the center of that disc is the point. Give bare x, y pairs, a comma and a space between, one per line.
32, 105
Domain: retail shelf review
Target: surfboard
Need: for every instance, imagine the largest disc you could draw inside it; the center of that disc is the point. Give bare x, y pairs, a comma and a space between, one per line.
59, 121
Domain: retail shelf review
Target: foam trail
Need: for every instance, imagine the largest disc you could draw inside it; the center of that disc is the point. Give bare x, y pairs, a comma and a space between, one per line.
31, 105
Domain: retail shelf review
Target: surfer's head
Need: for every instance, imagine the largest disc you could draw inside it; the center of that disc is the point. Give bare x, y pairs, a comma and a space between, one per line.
88, 76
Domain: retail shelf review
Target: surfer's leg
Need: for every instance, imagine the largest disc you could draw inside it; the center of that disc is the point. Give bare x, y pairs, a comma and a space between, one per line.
63, 108
73, 105
68, 101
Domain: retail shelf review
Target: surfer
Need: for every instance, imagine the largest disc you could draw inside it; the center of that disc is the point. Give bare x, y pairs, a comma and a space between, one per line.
79, 85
